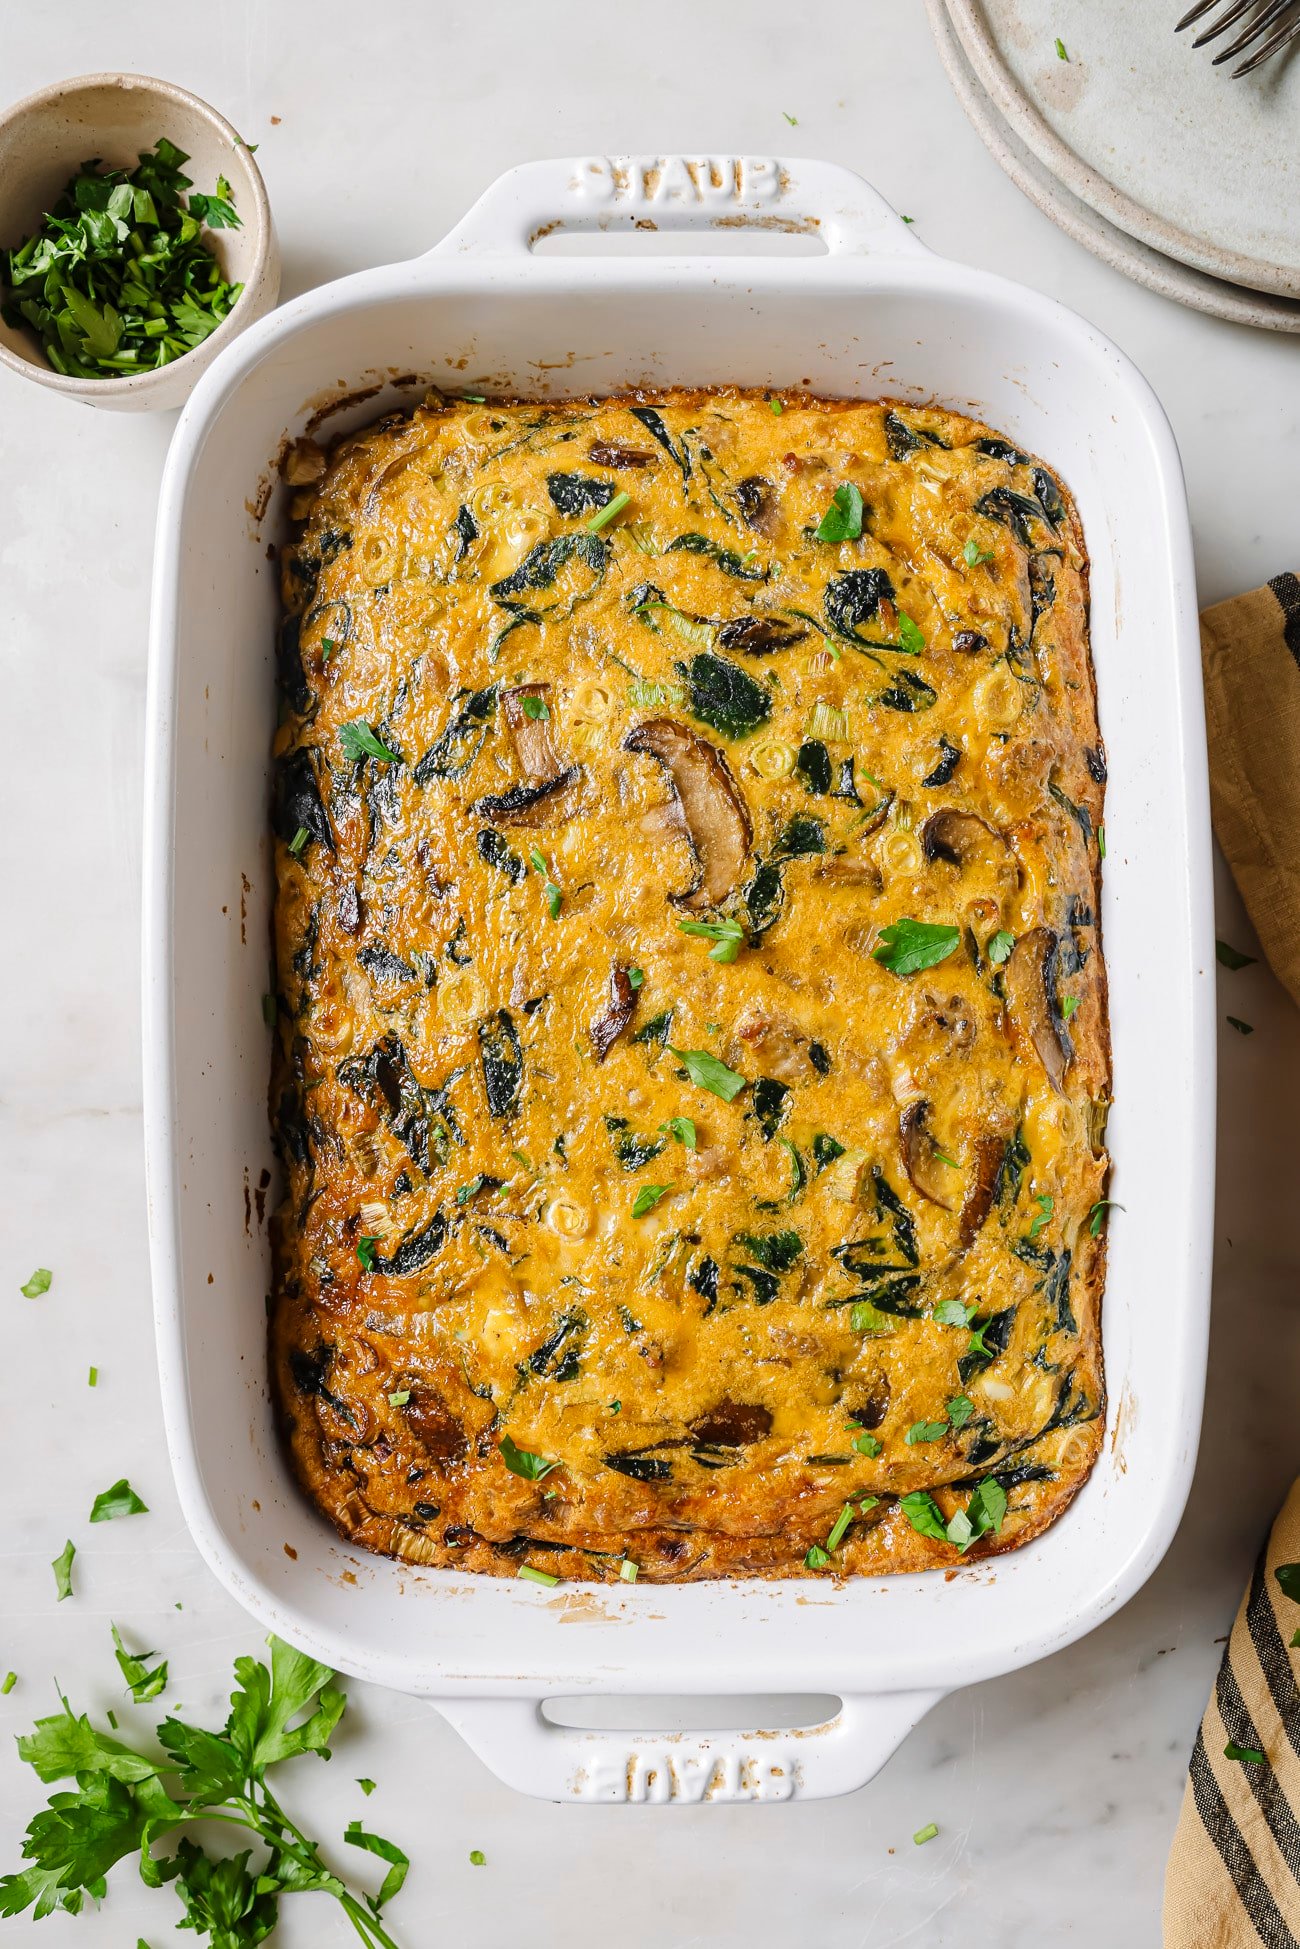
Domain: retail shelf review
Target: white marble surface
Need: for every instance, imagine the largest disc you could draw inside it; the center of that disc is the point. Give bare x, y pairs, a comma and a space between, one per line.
1056, 1788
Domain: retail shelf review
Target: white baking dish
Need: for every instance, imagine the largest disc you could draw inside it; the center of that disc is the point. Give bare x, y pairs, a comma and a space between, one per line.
481, 312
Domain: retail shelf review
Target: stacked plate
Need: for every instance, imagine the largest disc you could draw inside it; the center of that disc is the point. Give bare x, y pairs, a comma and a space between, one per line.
1138, 147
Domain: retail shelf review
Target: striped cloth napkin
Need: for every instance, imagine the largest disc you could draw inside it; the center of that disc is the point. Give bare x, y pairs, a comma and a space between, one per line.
1233, 1878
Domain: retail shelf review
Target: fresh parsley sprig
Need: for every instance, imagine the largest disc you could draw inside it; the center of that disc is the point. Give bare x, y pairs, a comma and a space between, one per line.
125, 1801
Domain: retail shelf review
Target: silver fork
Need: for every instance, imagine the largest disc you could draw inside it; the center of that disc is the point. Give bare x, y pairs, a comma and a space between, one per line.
1274, 23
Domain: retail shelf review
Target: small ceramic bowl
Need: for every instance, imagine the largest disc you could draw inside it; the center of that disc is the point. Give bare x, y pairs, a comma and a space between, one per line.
43, 141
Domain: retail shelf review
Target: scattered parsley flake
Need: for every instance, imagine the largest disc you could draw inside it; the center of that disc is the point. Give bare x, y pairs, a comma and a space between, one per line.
972, 554
635, 977
727, 934
910, 634
144, 1684
62, 1568
777, 405
868, 1445
1061, 54
366, 1251
1068, 1007
522, 1461
535, 708
816, 1558
683, 1129
842, 520
648, 1197
38, 1283
708, 1073
1045, 1203
1000, 946
1231, 957
1097, 1215
907, 946
367, 1786
359, 741
119, 1500
925, 1431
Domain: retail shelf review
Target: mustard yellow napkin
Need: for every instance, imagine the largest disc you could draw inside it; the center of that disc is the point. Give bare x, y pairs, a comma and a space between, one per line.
1250, 655
1233, 1878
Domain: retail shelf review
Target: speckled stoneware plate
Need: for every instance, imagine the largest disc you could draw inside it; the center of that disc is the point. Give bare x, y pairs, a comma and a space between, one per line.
1147, 132
1114, 246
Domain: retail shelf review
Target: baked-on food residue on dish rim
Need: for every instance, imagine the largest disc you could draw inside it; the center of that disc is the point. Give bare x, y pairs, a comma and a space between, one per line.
691, 1041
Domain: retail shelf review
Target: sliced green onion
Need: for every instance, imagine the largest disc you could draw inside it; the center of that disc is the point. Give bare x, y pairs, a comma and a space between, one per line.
924, 1834
537, 1576
840, 1526
92, 1378
628, 1571
606, 514
10, 1680
477, 1858
399, 1398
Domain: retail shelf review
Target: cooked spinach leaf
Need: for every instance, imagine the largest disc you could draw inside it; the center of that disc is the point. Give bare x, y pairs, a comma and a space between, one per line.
574, 494
722, 696
503, 1064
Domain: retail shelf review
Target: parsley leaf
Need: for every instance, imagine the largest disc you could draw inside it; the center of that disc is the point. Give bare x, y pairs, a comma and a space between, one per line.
1045, 1203
907, 946
868, 1445
62, 1568
120, 1500
924, 1514
535, 707
960, 1410
910, 635
683, 1129
38, 1283
648, 1197
972, 554
359, 741
366, 1251
708, 1073
522, 1461
144, 1684
1000, 946
925, 1431
842, 520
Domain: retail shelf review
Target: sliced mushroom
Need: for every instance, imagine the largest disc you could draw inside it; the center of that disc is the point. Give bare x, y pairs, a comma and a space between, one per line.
605, 455
1030, 981
439, 1432
759, 635
616, 1014
840, 870
961, 838
754, 498
712, 805
732, 1423
520, 800
872, 1407
982, 1189
922, 1158
532, 734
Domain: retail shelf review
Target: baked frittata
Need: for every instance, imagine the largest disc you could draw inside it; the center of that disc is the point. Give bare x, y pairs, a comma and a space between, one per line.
691, 1054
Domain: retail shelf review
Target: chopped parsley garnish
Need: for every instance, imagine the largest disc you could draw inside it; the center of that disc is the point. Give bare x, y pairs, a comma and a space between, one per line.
972, 554
1068, 1006
925, 1431
648, 1197
1232, 957
521, 1461
777, 405
535, 707
866, 1318
62, 1568
118, 278
709, 1073
1061, 54
1250, 1754
924, 1514
816, 1559
470, 1190
635, 977
984, 1512
38, 1283
359, 741
926, 1833
554, 894
627, 1570
607, 513
1242, 1028
960, 1410
1097, 1216
842, 520
726, 934
367, 1786
907, 946
1045, 1202
144, 1684
954, 1312
1000, 946
683, 1129
868, 1445
537, 1576
366, 1251
120, 1500
616, 1407
910, 634
298, 841
121, 1795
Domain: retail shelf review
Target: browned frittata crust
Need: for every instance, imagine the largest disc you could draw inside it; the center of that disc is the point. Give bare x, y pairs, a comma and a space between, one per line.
691, 1053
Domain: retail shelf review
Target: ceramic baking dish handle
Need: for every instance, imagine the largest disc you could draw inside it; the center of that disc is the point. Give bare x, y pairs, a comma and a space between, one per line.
681, 193
535, 1756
